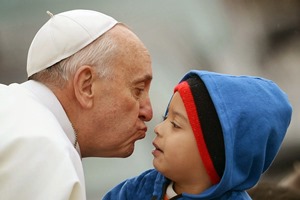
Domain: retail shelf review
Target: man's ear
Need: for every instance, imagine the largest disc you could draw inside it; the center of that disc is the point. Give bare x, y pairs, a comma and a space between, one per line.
83, 81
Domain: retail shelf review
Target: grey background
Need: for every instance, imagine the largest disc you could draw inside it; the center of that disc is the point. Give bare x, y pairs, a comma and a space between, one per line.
238, 37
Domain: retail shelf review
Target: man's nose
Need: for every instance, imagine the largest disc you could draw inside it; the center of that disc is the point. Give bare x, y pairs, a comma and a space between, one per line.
146, 112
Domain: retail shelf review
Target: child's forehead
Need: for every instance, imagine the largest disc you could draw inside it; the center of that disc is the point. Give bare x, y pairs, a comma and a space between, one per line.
177, 109
176, 99
176, 104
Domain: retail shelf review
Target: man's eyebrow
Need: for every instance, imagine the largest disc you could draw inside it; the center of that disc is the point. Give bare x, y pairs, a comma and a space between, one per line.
147, 77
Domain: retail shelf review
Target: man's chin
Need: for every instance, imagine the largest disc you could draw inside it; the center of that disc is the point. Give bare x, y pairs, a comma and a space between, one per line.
129, 152
124, 153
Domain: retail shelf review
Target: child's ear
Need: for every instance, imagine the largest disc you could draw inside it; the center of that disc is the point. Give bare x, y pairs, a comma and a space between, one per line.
83, 81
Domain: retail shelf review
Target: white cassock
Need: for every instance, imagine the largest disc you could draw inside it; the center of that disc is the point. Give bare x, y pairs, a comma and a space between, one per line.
38, 160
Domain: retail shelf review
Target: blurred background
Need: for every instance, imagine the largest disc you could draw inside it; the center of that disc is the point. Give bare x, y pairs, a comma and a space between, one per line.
257, 37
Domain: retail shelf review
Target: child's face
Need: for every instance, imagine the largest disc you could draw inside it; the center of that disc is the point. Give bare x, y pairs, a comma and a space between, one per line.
176, 154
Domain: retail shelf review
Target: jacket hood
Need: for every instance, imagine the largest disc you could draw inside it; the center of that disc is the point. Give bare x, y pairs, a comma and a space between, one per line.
254, 114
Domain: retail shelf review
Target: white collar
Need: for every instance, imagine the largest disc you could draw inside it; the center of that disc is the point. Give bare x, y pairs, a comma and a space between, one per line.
170, 191
48, 99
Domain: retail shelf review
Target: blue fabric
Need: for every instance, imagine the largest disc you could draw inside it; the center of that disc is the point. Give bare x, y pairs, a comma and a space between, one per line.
254, 114
148, 185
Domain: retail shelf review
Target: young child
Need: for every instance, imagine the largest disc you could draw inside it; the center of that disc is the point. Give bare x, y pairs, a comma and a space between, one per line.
220, 133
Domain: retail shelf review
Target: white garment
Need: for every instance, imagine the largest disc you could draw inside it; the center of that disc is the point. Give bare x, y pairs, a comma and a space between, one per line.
38, 160
170, 191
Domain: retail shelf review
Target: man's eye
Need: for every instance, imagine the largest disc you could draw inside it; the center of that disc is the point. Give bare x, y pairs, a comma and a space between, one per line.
138, 92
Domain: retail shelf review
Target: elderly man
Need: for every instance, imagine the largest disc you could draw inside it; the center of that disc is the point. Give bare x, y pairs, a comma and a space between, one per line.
87, 95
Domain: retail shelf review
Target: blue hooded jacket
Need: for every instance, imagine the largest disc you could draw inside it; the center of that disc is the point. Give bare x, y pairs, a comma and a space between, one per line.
254, 114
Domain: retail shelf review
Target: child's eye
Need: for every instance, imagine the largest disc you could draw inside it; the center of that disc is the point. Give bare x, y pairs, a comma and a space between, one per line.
174, 125
172, 122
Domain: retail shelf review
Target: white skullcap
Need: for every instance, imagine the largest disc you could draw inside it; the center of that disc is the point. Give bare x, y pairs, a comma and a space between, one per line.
63, 35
